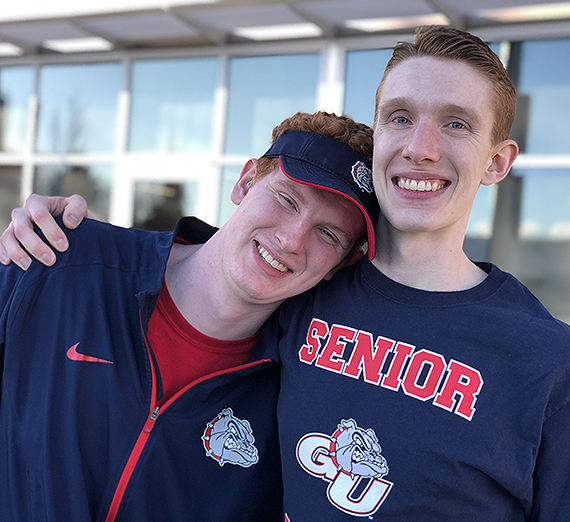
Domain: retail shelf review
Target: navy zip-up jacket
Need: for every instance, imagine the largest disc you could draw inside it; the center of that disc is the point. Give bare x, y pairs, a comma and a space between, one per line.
80, 437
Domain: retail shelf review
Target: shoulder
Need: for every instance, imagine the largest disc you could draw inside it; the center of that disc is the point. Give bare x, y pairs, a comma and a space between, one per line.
194, 231
95, 242
328, 297
518, 302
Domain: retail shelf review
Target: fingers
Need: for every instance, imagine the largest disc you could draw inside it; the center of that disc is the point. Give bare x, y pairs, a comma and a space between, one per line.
4, 259
74, 211
40, 210
10, 250
20, 235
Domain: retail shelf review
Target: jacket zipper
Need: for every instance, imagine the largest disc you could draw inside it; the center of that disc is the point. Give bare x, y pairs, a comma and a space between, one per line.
149, 425
131, 464
145, 434
140, 443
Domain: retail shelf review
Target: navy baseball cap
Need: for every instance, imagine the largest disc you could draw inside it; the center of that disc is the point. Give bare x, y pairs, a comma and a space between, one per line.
319, 161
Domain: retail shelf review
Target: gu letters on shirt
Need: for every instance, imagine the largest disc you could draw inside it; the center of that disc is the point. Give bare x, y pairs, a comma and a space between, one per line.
350, 460
394, 365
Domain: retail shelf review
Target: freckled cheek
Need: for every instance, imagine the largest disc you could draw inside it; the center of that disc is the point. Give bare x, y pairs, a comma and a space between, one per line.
270, 211
323, 262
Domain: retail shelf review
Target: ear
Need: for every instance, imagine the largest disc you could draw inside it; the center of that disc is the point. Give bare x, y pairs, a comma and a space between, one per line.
241, 188
346, 262
504, 155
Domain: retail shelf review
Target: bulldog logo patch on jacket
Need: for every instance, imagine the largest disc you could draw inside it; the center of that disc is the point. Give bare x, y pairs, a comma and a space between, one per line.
229, 440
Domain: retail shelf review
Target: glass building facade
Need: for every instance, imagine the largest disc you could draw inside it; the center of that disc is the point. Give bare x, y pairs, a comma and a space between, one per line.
148, 136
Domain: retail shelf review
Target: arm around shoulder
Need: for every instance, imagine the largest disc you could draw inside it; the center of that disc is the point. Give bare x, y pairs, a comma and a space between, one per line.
20, 239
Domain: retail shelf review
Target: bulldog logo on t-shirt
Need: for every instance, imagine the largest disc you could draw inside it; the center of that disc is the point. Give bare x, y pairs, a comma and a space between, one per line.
349, 460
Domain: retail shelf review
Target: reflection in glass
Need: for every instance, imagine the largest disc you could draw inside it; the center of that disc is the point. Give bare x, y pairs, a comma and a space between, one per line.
10, 179
78, 108
543, 96
481, 218
15, 90
263, 91
93, 182
545, 206
364, 70
480, 225
158, 206
230, 175
172, 104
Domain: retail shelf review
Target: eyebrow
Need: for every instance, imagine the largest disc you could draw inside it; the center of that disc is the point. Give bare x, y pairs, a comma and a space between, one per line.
463, 112
291, 186
393, 104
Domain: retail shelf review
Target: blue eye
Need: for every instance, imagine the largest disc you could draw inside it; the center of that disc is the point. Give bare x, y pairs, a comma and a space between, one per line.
401, 119
456, 125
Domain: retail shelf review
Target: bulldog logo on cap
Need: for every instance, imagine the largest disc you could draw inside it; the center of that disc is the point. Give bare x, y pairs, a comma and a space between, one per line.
362, 176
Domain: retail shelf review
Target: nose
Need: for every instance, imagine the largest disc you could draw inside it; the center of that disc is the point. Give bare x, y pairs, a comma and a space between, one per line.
291, 235
423, 144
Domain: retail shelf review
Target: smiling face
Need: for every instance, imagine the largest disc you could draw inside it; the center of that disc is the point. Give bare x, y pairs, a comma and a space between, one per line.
433, 145
285, 237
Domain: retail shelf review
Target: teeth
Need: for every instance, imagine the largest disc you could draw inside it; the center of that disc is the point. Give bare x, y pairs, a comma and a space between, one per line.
419, 186
269, 259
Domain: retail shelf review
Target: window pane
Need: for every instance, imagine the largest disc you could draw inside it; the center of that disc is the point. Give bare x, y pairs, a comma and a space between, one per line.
172, 104
545, 206
263, 91
93, 182
78, 108
158, 206
543, 99
364, 70
230, 175
15, 90
480, 224
10, 177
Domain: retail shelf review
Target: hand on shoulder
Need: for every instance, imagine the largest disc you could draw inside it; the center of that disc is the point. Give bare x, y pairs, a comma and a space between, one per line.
20, 241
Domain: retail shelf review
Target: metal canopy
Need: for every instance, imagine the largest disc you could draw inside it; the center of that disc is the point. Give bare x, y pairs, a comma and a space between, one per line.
49, 26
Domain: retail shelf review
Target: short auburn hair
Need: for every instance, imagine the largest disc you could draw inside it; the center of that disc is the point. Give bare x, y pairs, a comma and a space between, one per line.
340, 128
